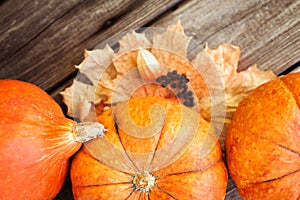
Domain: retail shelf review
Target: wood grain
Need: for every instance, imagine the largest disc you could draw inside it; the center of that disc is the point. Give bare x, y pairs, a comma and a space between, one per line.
231, 192
48, 57
22, 21
268, 32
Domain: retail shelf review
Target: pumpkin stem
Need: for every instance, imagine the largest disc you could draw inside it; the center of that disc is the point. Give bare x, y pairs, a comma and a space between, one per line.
86, 131
143, 181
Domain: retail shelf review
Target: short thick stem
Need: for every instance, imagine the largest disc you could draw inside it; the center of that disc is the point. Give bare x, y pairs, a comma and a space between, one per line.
87, 131
144, 181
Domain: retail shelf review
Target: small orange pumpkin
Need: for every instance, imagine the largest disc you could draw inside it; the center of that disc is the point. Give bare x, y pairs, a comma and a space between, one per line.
36, 141
131, 163
263, 141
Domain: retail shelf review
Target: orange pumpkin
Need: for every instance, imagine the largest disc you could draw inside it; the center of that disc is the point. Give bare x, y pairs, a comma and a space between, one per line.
36, 142
153, 150
263, 141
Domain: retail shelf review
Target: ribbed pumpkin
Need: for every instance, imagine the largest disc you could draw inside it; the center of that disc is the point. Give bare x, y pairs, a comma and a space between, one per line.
36, 142
137, 163
263, 141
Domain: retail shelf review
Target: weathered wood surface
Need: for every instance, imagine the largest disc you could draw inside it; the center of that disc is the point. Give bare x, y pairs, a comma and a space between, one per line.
41, 41
268, 31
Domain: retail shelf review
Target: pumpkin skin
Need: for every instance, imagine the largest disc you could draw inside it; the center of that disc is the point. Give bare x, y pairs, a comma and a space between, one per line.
188, 176
262, 143
36, 142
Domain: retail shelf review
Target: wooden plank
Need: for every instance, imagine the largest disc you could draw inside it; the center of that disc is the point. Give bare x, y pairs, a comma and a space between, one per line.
232, 193
48, 59
22, 21
268, 32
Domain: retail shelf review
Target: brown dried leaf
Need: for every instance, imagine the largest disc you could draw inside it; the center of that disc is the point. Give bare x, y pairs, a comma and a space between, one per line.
79, 105
123, 61
126, 57
173, 40
108, 70
237, 85
96, 63
170, 49
81, 95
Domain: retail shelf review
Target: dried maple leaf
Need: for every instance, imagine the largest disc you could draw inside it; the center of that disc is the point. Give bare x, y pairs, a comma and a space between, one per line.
237, 85
126, 57
81, 96
213, 75
173, 42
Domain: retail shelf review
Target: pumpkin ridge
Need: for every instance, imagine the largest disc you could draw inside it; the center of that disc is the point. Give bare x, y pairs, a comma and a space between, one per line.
287, 87
191, 171
277, 177
132, 157
285, 80
131, 193
155, 150
273, 179
123, 147
103, 163
148, 195
273, 89
292, 151
164, 191
279, 145
290, 92
101, 194
99, 185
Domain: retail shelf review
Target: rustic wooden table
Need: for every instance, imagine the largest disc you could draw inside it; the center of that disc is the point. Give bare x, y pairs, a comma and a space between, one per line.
41, 41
